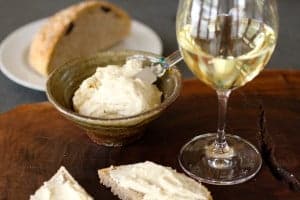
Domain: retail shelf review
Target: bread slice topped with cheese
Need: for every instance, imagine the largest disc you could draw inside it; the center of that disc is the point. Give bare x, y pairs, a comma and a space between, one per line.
150, 181
77, 31
61, 186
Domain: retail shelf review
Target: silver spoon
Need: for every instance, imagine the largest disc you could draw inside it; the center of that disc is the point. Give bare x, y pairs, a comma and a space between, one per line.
157, 67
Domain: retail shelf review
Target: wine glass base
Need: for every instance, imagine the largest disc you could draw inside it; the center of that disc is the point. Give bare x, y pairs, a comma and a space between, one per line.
241, 164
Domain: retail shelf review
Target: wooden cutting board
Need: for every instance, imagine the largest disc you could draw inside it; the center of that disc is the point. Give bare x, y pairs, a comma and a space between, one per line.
35, 140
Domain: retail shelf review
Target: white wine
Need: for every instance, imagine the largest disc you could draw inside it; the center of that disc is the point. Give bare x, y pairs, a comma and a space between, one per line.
226, 53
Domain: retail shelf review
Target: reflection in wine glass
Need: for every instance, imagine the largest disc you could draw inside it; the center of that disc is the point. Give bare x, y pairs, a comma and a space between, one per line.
225, 43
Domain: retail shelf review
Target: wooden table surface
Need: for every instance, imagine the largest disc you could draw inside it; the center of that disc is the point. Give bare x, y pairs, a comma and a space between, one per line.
35, 140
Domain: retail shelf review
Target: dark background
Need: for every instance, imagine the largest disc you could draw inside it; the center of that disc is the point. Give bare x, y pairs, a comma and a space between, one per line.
158, 14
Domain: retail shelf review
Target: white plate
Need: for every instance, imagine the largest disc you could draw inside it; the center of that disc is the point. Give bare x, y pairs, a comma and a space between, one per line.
14, 50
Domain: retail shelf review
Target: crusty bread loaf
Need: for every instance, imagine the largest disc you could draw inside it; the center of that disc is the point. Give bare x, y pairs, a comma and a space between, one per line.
128, 194
78, 31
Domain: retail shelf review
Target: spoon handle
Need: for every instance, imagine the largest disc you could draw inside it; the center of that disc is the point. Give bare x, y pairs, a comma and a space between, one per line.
171, 60
158, 68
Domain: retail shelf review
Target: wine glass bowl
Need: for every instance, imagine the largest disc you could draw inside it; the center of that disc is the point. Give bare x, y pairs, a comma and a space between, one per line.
225, 43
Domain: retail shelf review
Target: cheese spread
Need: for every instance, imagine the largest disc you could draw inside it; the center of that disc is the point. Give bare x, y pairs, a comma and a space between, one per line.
114, 91
157, 182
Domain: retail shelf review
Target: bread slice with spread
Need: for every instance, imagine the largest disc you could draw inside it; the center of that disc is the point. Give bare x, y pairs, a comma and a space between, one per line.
61, 186
77, 31
149, 180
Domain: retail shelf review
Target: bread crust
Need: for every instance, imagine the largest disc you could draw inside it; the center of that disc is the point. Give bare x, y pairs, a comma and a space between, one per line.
122, 193
45, 41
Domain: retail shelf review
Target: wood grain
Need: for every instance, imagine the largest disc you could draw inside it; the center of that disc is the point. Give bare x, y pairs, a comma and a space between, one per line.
35, 140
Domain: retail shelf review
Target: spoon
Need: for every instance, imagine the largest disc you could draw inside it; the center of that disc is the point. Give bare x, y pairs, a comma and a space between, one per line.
157, 67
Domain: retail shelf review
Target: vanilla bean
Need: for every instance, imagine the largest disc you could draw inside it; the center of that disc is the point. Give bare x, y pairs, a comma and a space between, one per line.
267, 148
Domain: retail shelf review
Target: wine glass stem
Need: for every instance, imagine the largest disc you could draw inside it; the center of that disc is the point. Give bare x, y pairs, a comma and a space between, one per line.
219, 154
220, 142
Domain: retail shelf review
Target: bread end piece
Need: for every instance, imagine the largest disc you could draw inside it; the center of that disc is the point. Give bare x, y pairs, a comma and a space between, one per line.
43, 51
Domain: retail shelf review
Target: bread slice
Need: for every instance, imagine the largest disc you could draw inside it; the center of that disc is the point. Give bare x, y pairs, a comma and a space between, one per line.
136, 192
77, 31
61, 186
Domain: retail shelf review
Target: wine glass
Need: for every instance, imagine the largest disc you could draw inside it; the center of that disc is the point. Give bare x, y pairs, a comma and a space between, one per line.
225, 43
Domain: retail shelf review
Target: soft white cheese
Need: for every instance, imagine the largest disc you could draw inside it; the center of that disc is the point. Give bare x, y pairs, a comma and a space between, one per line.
157, 182
113, 91
61, 186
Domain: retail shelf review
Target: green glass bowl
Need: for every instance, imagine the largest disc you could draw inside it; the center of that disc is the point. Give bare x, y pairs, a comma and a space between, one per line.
65, 80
